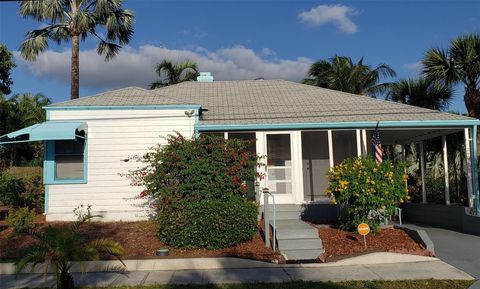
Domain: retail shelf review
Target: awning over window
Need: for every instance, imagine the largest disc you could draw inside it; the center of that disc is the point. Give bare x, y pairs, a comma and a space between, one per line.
50, 130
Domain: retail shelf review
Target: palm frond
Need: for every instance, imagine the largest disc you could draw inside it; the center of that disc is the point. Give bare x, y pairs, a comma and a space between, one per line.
108, 49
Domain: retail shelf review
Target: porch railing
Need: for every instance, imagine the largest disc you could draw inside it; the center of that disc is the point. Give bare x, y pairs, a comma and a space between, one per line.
266, 217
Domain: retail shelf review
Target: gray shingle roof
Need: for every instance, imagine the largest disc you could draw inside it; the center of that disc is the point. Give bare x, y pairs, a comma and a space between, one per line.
266, 102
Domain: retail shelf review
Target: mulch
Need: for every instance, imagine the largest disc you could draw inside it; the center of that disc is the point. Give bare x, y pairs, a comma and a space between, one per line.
340, 244
140, 241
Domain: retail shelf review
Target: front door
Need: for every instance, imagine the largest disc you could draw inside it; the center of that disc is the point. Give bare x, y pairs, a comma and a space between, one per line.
279, 171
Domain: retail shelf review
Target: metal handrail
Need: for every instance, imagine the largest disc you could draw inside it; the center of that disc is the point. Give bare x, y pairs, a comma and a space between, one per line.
266, 195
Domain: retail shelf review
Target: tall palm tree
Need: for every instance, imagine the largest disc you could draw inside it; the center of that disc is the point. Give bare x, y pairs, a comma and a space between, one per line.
174, 73
59, 247
341, 73
460, 63
75, 20
422, 92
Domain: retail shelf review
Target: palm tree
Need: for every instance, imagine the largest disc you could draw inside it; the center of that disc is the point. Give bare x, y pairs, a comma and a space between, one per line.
28, 109
75, 20
341, 73
460, 63
421, 92
58, 247
174, 73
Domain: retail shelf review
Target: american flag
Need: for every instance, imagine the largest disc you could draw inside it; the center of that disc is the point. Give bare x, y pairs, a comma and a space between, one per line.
377, 146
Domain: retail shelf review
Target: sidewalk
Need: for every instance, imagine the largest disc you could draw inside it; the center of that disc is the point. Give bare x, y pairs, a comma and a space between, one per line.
371, 268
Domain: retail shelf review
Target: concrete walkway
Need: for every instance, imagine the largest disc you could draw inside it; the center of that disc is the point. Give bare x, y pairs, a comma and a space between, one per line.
377, 266
458, 249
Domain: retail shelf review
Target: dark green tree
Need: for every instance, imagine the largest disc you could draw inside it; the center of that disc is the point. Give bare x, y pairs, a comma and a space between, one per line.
173, 73
6, 65
422, 92
458, 64
341, 73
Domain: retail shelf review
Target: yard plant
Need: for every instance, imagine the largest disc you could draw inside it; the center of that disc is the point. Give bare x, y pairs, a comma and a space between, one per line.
198, 190
21, 220
368, 191
59, 247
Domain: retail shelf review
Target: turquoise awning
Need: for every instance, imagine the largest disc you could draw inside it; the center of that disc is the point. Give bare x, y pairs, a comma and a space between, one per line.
50, 130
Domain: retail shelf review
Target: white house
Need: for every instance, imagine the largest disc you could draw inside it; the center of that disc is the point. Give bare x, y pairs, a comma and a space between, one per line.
302, 130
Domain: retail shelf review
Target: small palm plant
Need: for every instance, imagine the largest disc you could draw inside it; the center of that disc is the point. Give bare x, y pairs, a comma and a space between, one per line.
60, 247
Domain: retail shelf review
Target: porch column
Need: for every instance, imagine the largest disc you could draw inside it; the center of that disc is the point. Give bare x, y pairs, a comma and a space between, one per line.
422, 171
468, 157
404, 159
364, 139
330, 148
359, 143
475, 170
445, 169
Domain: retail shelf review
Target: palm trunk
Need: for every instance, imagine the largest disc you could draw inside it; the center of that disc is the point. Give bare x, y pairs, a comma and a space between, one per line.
65, 281
75, 68
472, 101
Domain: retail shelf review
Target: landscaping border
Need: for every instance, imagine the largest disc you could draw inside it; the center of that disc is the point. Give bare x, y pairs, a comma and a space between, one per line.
420, 236
170, 264
450, 217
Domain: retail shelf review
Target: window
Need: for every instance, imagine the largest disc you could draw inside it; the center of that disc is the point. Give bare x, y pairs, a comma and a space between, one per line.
69, 159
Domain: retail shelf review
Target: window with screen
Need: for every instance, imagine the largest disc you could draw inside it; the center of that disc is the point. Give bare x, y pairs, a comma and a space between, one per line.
69, 159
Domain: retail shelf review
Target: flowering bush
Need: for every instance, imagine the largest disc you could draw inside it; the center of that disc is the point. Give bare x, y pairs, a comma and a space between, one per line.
368, 191
182, 180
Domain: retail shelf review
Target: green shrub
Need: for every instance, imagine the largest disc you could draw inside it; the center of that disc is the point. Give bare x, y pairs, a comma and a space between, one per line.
207, 223
198, 188
11, 190
368, 191
21, 220
34, 192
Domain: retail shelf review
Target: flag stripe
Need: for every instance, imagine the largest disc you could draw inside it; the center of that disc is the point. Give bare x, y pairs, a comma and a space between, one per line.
377, 146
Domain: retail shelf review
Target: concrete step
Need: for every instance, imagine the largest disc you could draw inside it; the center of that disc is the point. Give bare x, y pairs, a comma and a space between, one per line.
289, 207
300, 244
285, 215
282, 234
302, 254
290, 224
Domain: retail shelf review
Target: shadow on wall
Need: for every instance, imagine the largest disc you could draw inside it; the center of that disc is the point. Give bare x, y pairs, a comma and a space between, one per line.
321, 213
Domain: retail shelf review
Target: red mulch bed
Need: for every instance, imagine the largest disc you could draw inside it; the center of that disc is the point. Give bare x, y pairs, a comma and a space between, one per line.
140, 241
339, 244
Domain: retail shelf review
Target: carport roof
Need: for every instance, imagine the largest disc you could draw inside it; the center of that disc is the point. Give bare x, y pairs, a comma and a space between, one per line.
249, 102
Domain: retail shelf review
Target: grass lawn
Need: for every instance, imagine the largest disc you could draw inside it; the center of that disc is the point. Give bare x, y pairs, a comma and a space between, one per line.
417, 284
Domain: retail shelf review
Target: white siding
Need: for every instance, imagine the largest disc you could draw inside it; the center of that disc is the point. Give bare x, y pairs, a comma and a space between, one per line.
113, 135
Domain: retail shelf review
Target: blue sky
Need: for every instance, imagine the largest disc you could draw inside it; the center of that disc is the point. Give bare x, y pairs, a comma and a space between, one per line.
248, 39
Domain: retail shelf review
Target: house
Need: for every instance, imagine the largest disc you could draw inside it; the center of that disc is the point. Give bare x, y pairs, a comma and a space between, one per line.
302, 130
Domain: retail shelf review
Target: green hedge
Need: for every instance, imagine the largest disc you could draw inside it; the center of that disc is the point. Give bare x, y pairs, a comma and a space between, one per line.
208, 223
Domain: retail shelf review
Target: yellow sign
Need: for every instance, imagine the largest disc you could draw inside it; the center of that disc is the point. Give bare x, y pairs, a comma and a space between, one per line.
363, 229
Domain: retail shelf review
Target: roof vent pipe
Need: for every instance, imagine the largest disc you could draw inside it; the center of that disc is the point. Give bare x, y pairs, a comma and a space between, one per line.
205, 77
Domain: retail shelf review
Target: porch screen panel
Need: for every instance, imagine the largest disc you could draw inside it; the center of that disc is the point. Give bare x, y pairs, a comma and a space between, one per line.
344, 145
279, 163
316, 164
69, 159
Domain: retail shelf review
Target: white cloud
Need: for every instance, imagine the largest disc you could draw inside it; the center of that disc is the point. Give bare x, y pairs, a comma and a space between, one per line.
415, 68
135, 67
337, 14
